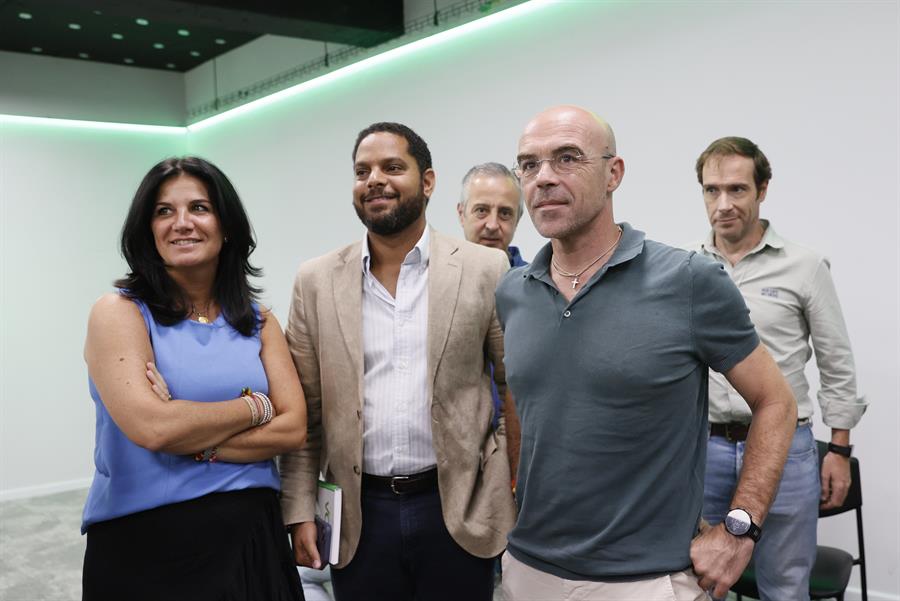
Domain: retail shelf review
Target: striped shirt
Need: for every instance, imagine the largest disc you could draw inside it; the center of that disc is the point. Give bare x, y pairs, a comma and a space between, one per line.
396, 408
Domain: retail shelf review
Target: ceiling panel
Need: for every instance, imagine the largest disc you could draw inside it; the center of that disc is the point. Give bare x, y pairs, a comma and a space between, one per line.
178, 36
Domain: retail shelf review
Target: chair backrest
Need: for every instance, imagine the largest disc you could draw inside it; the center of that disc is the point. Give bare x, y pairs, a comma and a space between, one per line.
854, 495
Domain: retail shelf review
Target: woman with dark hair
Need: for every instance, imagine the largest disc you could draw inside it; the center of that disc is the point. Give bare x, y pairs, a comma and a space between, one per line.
195, 393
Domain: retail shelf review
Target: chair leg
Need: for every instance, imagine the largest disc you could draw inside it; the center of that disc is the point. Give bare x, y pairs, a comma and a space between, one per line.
862, 555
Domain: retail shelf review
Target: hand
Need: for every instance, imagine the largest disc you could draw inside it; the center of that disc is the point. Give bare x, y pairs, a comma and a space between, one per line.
157, 382
835, 480
303, 538
719, 558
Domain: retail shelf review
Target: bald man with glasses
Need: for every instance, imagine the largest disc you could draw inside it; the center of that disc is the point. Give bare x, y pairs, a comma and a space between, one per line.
608, 339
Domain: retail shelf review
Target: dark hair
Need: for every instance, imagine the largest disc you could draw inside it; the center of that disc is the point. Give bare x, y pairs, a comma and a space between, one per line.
148, 279
762, 171
415, 145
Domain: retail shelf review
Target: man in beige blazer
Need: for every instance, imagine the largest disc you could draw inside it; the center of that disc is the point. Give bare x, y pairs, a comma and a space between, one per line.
393, 338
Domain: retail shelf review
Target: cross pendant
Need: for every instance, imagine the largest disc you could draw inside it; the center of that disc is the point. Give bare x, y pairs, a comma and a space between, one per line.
574, 282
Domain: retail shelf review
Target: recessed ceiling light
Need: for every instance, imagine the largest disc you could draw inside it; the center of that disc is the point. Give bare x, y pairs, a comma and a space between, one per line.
26, 16
220, 41
129, 61
84, 55
159, 46
37, 49
142, 21
184, 32
170, 65
194, 53
75, 26
118, 36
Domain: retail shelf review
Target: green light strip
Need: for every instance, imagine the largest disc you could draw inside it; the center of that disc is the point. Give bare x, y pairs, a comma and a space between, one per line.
74, 123
394, 53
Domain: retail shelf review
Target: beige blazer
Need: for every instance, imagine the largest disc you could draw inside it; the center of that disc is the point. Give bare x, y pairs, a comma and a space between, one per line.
324, 331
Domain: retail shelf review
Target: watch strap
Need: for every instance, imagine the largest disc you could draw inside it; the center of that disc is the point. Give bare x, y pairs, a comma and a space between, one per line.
840, 449
754, 533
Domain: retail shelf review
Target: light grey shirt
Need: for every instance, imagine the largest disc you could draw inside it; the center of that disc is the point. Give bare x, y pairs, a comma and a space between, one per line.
396, 407
793, 302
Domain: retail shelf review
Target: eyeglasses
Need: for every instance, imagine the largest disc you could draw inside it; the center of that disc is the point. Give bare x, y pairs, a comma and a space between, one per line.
562, 163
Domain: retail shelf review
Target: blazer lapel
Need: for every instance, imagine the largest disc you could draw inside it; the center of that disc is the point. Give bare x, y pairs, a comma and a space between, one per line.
444, 273
347, 294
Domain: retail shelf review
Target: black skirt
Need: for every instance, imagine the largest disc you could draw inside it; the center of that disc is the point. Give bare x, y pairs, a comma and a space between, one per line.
229, 546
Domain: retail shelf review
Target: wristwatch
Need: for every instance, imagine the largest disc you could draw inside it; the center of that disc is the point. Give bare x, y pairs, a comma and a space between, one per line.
840, 449
739, 523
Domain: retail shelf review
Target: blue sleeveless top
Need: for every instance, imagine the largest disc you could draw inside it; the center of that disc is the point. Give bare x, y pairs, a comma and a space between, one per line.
200, 362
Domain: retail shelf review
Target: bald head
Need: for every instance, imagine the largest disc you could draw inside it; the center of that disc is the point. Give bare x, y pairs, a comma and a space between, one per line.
569, 169
569, 117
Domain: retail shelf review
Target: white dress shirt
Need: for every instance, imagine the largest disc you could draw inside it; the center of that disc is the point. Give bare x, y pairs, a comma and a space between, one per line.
396, 409
792, 301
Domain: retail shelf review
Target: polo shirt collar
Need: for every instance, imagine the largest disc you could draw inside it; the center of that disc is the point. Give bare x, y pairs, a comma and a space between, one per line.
770, 239
630, 246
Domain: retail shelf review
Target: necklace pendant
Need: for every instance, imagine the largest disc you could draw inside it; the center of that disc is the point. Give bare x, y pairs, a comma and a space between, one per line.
574, 282
202, 319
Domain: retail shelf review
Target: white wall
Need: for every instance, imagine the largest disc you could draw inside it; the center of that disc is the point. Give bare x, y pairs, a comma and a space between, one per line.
64, 194
815, 84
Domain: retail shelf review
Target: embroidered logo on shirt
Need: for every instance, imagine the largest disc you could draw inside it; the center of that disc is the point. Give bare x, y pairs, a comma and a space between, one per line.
772, 292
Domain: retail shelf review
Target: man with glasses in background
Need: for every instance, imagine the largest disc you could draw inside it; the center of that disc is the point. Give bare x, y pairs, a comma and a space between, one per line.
608, 340
792, 300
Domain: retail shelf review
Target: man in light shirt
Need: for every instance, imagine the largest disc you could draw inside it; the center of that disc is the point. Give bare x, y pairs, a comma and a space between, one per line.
396, 338
792, 301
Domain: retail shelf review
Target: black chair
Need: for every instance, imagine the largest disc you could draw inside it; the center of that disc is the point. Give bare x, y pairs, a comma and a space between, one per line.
831, 572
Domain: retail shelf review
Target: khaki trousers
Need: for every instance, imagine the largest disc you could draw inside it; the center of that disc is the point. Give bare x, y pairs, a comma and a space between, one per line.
524, 583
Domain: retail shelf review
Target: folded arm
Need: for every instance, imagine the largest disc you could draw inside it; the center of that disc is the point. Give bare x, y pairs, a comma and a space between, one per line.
719, 558
117, 351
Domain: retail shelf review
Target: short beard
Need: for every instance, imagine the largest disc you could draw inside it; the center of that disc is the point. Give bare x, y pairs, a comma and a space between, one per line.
396, 220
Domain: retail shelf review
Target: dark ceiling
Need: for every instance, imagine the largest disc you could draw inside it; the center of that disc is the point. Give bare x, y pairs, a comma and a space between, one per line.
178, 36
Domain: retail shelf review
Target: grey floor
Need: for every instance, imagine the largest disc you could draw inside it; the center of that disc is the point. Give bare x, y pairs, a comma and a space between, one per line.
41, 548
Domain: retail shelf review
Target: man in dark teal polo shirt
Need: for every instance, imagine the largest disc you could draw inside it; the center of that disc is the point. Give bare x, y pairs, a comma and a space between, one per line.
608, 339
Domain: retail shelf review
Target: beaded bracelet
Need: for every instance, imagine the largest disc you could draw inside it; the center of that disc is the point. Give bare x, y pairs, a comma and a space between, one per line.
210, 455
261, 409
268, 410
254, 413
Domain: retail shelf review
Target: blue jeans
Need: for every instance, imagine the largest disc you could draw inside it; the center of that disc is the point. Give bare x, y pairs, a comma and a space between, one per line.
785, 553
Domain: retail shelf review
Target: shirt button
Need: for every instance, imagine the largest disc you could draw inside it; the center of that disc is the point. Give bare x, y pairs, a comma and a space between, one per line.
358, 414
356, 469
567, 313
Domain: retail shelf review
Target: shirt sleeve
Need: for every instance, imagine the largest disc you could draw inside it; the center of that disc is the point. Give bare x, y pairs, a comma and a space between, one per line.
720, 321
841, 407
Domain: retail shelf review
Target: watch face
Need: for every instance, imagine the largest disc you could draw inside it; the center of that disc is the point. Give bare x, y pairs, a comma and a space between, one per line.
737, 522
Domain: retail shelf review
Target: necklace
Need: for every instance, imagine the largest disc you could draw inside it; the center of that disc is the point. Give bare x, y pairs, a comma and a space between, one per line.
201, 316
577, 275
